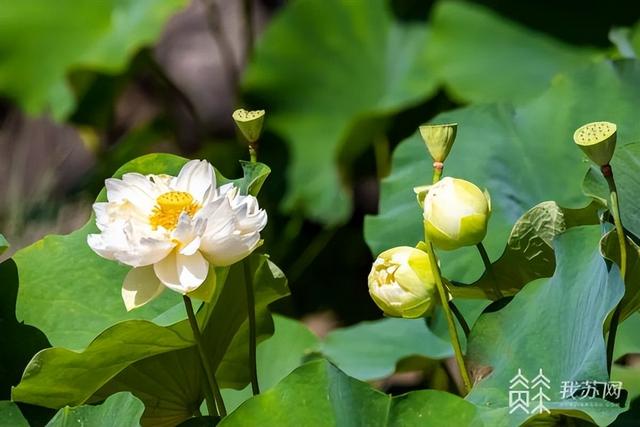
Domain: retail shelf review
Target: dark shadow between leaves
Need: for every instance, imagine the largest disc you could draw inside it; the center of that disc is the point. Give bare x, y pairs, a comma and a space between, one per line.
19, 342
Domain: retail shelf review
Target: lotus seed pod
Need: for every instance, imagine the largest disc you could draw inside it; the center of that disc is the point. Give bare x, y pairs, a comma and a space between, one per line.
249, 123
597, 140
439, 139
456, 213
401, 283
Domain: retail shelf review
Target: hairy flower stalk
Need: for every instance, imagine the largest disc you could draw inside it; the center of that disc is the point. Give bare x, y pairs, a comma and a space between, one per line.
250, 125
598, 141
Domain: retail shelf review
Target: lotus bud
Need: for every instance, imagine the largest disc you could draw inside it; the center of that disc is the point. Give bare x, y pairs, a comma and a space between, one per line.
597, 140
401, 283
249, 123
456, 213
439, 139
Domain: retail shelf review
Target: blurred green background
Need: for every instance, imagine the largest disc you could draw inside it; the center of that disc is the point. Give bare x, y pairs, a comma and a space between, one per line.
87, 85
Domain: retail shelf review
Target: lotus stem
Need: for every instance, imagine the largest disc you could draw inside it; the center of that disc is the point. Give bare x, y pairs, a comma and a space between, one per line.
251, 314
489, 268
212, 393
463, 323
437, 171
253, 151
607, 172
251, 308
453, 331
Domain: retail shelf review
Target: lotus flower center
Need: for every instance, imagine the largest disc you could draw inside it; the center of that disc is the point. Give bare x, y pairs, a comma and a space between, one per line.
386, 272
169, 207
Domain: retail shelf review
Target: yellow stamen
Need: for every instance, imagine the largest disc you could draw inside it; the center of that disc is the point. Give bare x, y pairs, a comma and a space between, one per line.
169, 207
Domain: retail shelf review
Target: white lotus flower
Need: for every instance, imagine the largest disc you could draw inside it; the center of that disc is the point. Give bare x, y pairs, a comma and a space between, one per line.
170, 229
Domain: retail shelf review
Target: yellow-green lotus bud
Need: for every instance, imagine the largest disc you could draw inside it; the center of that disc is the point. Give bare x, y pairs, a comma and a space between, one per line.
456, 213
401, 283
597, 140
439, 139
249, 123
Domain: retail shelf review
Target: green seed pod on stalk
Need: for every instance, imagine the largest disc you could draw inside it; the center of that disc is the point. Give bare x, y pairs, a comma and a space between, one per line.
439, 139
597, 140
401, 283
249, 123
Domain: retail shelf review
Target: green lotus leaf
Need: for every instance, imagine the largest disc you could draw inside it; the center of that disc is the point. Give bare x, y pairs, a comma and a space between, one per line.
366, 351
461, 33
121, 408
10, 415
610, 249
40, 47
529, 251
625, 171
319, 394
554, 325
381, 66
159, 364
